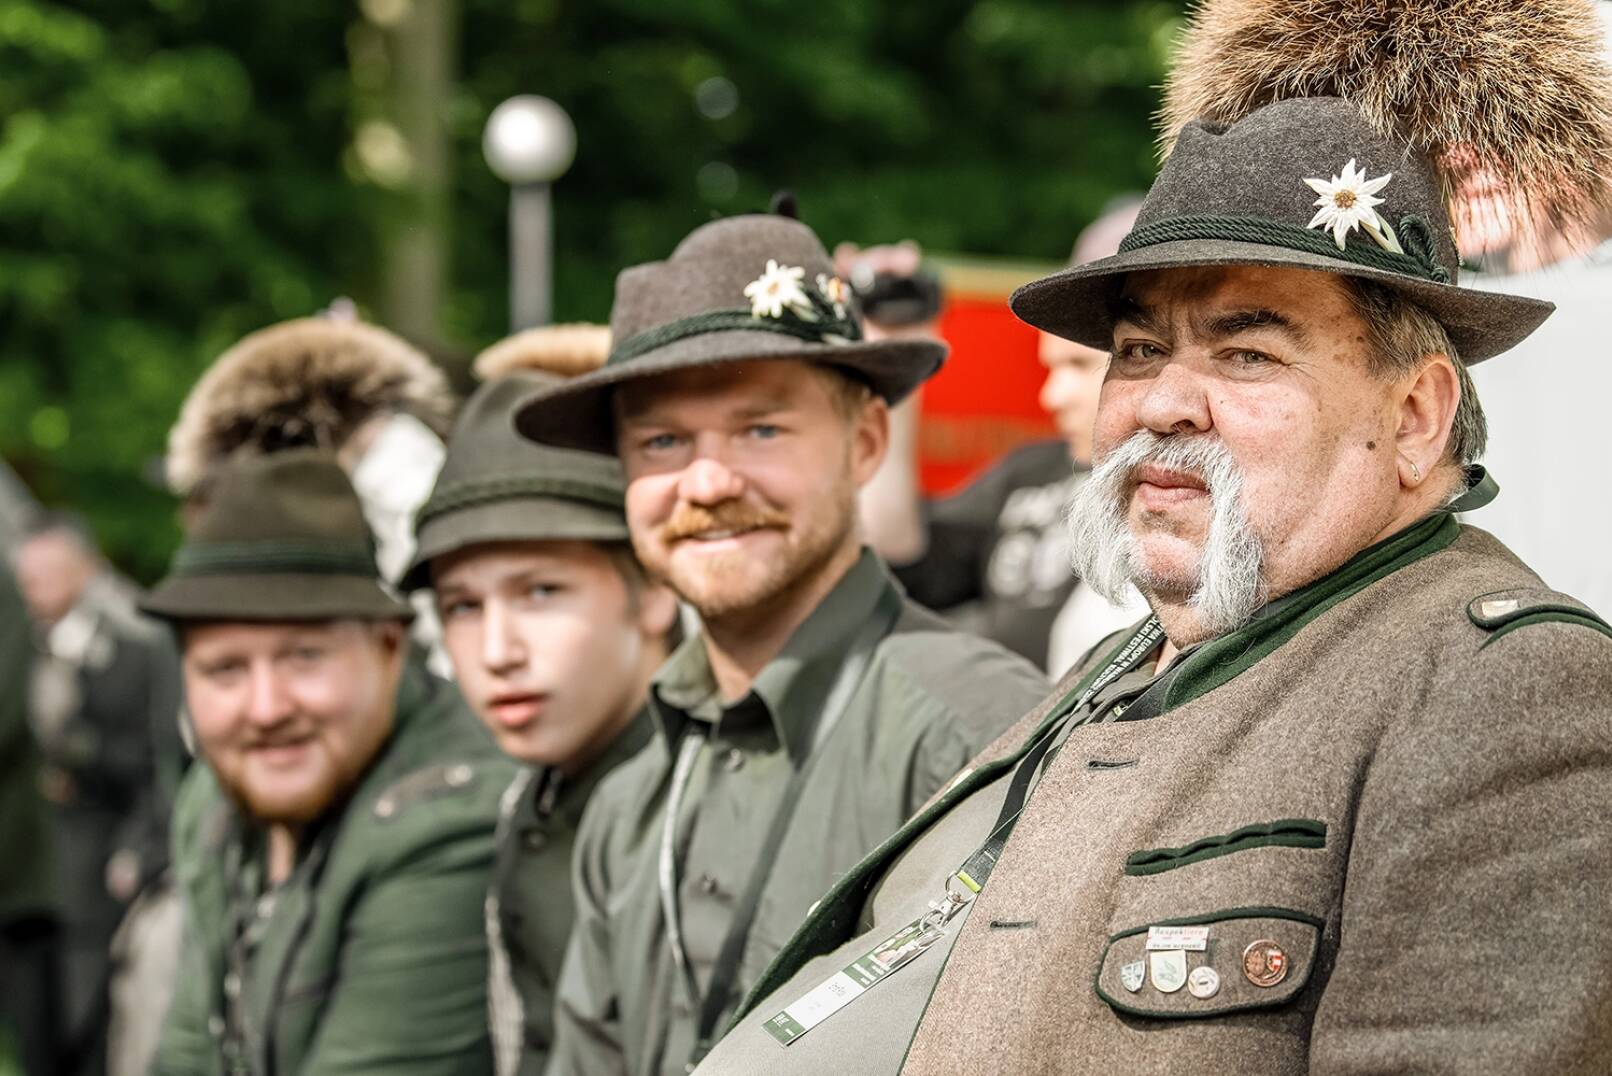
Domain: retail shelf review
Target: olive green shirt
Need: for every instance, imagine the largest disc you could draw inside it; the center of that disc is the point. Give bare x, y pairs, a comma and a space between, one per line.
371, 957
531, 906
929, 698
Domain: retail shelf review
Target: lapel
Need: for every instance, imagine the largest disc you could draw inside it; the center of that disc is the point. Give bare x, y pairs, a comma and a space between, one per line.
276, 954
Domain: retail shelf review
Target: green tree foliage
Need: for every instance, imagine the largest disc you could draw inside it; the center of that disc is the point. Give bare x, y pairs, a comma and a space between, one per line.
175, 173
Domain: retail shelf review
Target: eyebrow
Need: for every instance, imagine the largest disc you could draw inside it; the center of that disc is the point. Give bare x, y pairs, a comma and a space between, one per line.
1130, 311
1230, 323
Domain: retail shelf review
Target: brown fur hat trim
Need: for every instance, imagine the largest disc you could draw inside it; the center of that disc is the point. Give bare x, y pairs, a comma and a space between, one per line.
1508, 97
312, 381
565, 350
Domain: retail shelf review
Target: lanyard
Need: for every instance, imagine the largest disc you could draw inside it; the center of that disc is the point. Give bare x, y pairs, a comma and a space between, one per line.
977, 868
913, 939
725, 971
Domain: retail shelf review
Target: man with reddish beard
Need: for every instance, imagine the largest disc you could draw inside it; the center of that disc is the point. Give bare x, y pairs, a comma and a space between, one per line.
817, 708
334, 851
1324, 811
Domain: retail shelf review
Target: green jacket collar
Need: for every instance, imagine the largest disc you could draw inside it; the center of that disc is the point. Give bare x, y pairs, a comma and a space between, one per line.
792, 687
571, 795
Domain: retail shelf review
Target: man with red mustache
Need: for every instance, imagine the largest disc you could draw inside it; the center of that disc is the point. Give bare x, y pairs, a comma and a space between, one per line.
817, 708
1336, 806
333, 851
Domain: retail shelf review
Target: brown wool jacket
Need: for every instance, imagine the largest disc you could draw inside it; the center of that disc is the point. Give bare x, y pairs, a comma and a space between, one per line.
1411, 795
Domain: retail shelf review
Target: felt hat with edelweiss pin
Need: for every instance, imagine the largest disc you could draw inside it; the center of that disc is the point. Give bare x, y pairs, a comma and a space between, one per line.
744, 289
1329, 136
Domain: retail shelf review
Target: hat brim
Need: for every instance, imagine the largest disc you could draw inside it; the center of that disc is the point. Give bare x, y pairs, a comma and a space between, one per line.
272, 597
525, 519
576, 413
1076, 303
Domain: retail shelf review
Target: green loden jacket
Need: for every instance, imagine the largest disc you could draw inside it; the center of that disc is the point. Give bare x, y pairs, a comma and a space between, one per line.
372, 957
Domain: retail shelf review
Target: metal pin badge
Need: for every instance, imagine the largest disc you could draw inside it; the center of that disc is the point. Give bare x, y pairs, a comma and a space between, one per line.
1265, 963
1132, 975
1204, 982
1169, 969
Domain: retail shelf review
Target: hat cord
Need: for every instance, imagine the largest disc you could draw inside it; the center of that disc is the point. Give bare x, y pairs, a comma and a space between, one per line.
1418, 260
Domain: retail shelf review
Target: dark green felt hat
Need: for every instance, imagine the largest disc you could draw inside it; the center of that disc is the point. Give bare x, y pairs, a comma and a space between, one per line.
736, 290
282, 537
1247, 194
497, 486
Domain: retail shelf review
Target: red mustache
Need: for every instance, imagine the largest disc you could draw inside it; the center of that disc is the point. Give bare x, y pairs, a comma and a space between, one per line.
691, 521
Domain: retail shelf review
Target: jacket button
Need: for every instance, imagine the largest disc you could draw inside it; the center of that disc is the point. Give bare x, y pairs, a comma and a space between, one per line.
534, 840
709, 885
733, 760
458, 776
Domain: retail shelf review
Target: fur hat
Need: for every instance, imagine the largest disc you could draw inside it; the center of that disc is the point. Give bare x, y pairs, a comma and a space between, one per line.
1510, 97
308, 382
563, 350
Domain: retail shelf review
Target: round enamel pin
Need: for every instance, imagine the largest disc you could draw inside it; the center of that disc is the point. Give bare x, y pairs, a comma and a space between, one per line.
1169, 969
1131, 976
1264, 963
1204, 982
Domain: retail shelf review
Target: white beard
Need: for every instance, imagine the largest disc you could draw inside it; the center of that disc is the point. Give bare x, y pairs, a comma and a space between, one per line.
1229, 584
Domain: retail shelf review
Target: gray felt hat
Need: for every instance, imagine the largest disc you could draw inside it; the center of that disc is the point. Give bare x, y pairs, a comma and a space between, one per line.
736, 290
1243, 195
497, 486
281, 537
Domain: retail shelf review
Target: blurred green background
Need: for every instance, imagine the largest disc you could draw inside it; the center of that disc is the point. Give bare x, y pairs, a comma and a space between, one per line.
176, 173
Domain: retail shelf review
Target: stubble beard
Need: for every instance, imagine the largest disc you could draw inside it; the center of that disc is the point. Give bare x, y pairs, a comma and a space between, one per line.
1227, 584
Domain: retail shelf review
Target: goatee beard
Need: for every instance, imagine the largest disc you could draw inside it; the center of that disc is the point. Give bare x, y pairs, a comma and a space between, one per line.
1228, 585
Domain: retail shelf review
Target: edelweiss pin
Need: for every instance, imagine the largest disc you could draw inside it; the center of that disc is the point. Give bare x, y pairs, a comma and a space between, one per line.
1349, 201
778, 289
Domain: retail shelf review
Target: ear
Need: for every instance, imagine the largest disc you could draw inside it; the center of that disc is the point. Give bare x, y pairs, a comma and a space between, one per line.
393, 635
657, 610
1426, 413
870, 439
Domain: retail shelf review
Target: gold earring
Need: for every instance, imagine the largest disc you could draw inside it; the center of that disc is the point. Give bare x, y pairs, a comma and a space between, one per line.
1416, 472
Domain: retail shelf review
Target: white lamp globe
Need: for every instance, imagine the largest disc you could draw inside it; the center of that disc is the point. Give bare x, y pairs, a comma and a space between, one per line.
529, 139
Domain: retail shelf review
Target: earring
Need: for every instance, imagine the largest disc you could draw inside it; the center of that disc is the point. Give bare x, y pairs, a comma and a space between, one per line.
1416, 472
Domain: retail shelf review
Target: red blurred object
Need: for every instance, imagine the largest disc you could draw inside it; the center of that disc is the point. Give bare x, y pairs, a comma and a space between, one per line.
982, 404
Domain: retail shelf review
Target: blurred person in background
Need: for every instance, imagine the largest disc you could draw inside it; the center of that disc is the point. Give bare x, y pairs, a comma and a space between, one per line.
1549, 442
28, 928
554, 631
996, 550
105, 703
816, 708
334, 848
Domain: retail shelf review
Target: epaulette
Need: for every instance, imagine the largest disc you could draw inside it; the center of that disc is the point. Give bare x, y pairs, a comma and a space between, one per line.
431, 783
1504, 611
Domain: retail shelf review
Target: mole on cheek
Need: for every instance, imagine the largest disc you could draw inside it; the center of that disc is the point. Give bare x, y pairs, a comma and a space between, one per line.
1371, 446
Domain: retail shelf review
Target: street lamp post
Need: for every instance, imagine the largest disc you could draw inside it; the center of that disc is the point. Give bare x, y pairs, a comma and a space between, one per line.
529, 143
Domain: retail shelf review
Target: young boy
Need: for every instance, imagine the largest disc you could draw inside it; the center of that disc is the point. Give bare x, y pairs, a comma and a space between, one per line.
554, 633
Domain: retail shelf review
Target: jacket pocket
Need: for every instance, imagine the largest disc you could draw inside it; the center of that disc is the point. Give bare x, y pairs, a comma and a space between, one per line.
1257, 958
1283, 833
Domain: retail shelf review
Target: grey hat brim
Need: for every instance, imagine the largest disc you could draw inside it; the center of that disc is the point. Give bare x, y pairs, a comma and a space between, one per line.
576, 413
272, 596
1076, 302
525, 519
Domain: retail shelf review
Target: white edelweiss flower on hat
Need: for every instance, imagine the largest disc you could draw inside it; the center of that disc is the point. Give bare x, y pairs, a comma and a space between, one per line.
1349, 201
776, 289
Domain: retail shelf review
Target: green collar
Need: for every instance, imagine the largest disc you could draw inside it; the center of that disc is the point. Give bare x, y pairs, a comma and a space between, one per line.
1215, 662
792, 687
574, 792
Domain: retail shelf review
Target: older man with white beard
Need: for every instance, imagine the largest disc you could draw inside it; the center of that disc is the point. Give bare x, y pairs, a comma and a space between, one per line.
1335, 806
